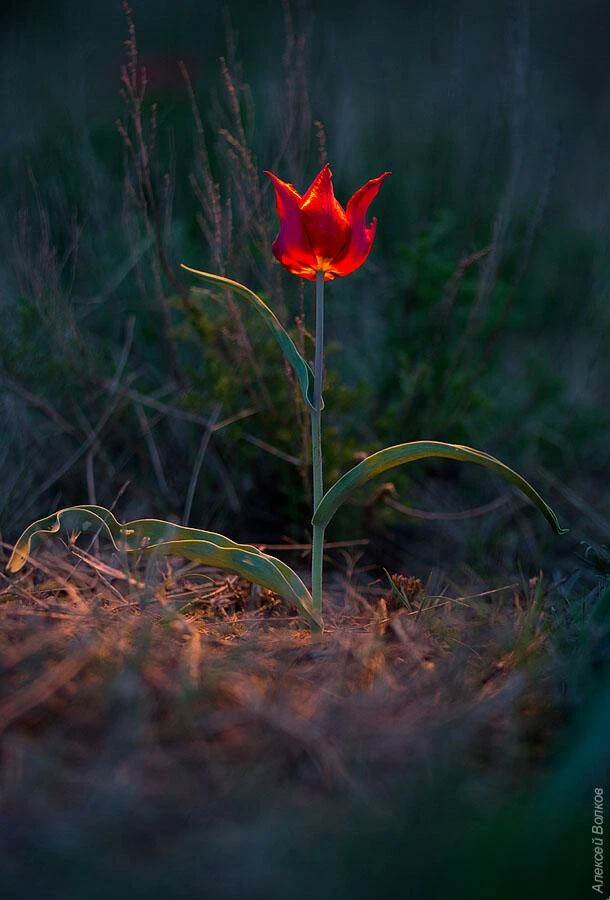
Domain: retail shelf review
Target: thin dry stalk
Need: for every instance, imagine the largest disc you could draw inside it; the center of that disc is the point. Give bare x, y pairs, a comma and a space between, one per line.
453, 285
203, 446
146, 205
215, 219
232, 215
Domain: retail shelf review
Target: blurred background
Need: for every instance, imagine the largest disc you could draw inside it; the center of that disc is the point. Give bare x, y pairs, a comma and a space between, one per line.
481, 316
134, 140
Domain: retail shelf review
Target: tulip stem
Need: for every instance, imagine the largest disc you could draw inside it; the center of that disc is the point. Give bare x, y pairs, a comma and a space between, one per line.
317, 550
318, 374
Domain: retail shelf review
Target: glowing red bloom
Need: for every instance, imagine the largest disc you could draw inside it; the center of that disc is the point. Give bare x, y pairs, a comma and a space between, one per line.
316, 233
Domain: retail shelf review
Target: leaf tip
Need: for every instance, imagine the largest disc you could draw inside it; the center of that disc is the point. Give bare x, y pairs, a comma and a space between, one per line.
16, 562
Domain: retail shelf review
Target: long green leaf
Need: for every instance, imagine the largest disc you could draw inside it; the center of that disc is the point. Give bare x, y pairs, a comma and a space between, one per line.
301, 368
401, 454
155, 535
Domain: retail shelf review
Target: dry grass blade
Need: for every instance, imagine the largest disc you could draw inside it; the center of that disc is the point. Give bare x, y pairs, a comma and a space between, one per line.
203, 446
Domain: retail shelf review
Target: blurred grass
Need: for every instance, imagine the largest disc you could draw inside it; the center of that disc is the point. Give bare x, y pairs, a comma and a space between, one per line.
479, 318
482, 316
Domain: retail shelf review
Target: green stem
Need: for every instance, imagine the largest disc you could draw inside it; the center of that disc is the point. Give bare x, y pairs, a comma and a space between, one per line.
317, 550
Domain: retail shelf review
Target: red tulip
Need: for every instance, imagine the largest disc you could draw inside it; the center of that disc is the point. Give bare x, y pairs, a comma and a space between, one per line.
317, 234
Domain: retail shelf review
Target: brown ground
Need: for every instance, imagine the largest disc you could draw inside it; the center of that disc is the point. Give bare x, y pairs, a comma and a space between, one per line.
188, 665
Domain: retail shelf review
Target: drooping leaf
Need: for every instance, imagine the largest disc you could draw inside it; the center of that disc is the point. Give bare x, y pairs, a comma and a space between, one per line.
401, 454
155, 535
301, 368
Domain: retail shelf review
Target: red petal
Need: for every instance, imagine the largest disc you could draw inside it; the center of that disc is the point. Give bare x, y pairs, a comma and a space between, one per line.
324, 219
292, 246
362, 235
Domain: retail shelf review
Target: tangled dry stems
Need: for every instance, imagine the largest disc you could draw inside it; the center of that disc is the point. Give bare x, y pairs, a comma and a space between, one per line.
155, 674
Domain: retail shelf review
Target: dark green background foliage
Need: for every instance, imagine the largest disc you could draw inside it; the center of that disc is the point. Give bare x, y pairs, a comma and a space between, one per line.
481, 317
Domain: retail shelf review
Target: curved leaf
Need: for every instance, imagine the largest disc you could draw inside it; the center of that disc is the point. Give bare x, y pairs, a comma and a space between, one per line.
148, 535
301, 368
405, 453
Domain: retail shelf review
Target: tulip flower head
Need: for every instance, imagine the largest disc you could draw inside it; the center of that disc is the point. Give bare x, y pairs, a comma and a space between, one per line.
316, 233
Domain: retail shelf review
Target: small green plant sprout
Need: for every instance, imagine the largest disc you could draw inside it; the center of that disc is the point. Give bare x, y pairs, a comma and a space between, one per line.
405, 589
318, 240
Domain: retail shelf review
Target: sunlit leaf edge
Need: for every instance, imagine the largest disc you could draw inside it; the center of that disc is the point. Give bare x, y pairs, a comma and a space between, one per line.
300, 366
148, 535
400, 454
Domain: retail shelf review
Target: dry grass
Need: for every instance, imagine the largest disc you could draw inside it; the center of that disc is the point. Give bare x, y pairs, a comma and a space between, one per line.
169, 728
180, 663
